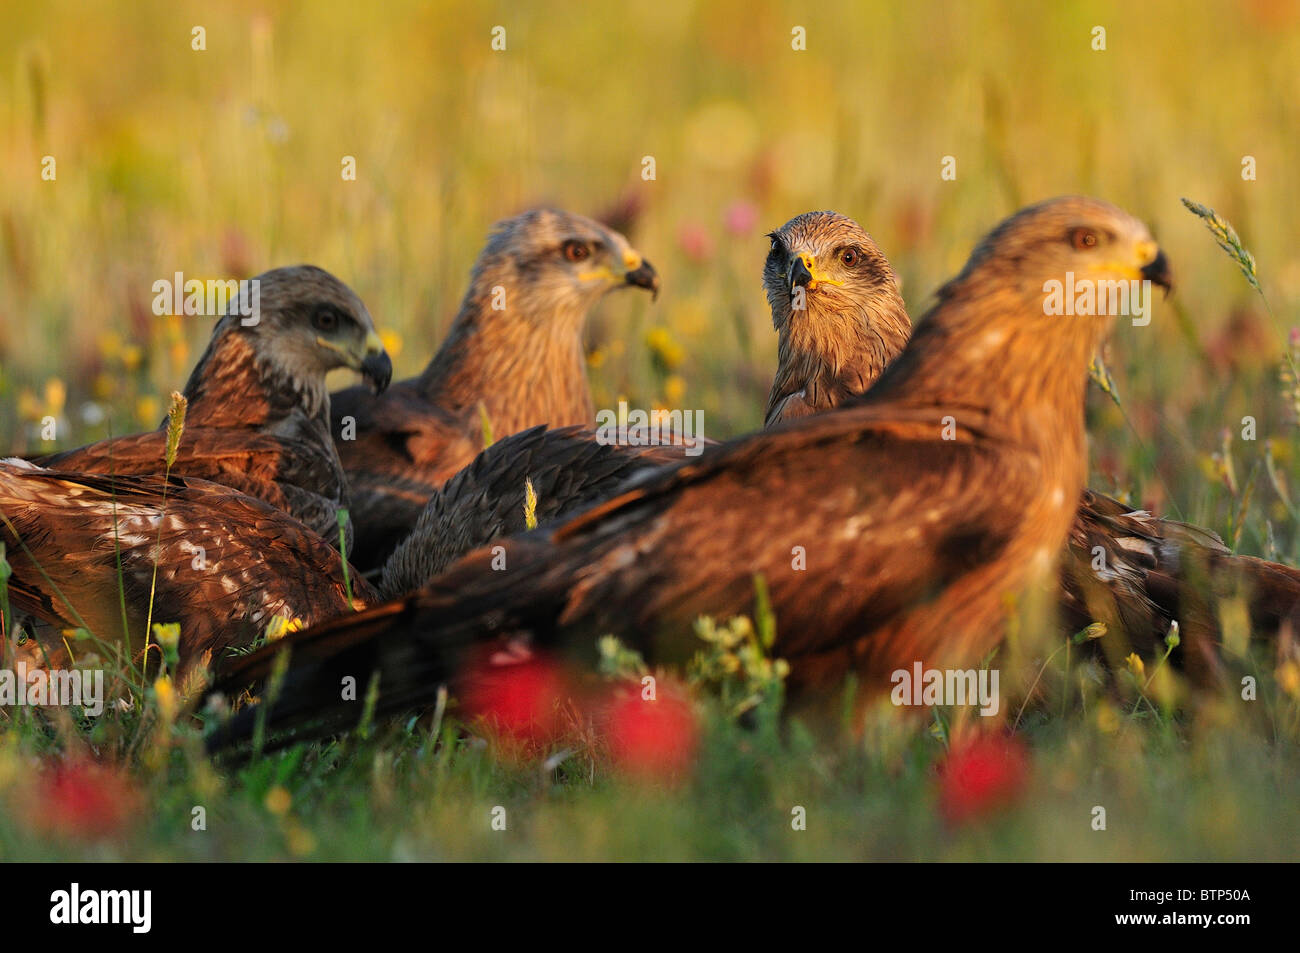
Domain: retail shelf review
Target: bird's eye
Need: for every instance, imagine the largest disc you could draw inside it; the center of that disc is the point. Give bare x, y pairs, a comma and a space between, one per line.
775, 244
1083, 238
575, 250
325, 319
850, 256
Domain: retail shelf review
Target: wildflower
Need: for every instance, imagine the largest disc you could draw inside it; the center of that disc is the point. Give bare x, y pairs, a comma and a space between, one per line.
740, 217
392, 342
280, 626
56, 395
300, 841
981, 777
278, 801
695, 242
1288, 678
518, 699
664, 350
132, 356
652, 738
1107, 719
146, 410
83, 799
1136, 666
165, 693
168, 637
1094, 630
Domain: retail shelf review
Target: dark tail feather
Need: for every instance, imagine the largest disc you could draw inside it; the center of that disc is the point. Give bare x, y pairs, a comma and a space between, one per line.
1139, 573
413, 645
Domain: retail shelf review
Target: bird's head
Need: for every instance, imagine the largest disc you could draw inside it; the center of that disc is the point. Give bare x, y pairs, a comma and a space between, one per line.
1017, 328
822, 265
308, 323
554, 262
1075, 259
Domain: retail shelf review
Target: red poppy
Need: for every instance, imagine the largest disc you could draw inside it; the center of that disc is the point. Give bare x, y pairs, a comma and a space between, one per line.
980, 777
83, 799
520, 699
652, 739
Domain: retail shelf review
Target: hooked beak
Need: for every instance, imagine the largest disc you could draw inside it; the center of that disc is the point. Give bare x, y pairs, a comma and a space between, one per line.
644, 276
1157, 272
376, 366
799, 275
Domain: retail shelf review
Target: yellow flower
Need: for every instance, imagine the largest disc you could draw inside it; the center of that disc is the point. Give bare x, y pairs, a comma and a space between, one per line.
1107, 720
110, 344
56, 395
1136, 666
1288, 678
132, 356
279, 627
665, 350
392, 342
300, 840
674, 389
278, 801
167, 634
29, 408
165, 692
147, 411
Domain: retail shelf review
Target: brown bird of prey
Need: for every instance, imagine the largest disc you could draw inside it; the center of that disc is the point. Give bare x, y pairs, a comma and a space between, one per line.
513, 358
258, 416
889, 532
837, 310
220, 563
567, 469
1150, 572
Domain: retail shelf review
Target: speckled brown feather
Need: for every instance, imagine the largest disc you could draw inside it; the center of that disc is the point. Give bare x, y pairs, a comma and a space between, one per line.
226, 563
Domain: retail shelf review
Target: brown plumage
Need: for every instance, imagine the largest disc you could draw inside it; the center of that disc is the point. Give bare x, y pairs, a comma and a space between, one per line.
226, 563
1139, 573
568, 468
1154, 571
910, 542
837, 311
834, 351
258, 417
514, 354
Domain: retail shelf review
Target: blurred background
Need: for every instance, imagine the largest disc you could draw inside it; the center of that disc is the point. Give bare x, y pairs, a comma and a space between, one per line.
226, 162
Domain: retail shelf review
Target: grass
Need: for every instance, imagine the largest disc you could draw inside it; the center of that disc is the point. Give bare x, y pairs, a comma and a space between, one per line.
224, 163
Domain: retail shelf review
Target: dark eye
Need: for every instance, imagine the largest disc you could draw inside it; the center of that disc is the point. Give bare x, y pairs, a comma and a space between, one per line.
1083, 238
775, 244
850, 256
575, 250
325, 319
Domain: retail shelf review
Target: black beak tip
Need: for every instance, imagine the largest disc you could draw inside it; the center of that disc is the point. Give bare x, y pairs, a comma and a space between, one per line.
799, 275
1158, 273
646, 277
377, 369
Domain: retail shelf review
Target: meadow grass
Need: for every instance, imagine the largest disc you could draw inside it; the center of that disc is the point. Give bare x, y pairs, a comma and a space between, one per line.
227, 162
